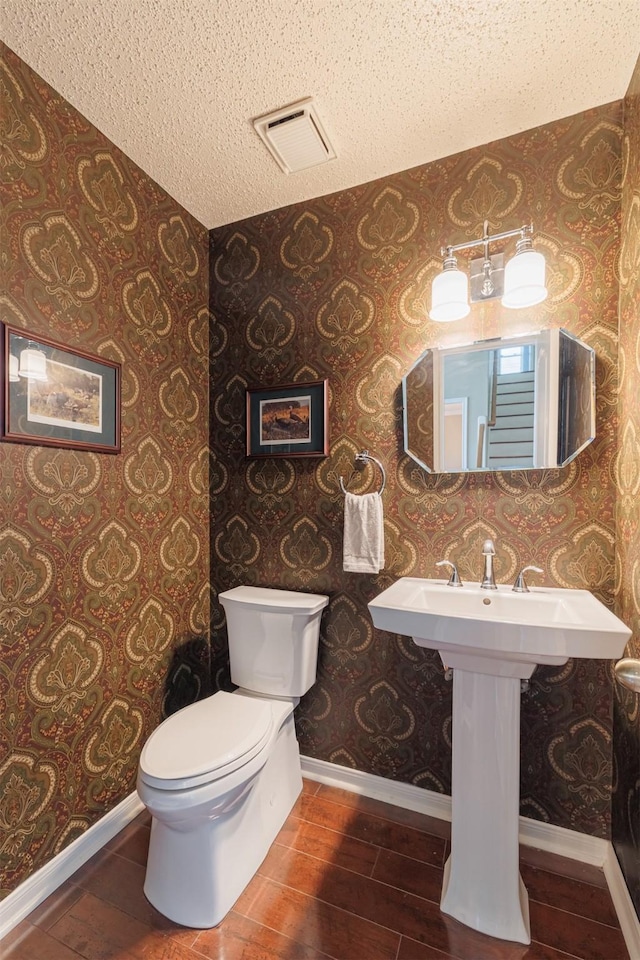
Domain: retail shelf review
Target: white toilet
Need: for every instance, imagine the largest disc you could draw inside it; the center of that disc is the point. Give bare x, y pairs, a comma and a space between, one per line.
220, 776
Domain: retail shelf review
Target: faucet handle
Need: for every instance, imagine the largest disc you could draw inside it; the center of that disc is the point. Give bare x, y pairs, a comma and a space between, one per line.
520, 585
454, 579
488, 548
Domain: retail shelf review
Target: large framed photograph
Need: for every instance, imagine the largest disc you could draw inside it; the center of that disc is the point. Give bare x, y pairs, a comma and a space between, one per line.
288, 421
57, 396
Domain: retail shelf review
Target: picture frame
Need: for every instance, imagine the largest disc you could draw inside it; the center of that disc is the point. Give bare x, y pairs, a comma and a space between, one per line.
57, 396
290, 420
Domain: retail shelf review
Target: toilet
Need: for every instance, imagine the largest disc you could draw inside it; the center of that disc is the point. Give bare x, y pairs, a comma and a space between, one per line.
220, 777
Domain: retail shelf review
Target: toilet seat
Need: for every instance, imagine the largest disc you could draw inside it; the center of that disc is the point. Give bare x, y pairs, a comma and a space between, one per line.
206, 741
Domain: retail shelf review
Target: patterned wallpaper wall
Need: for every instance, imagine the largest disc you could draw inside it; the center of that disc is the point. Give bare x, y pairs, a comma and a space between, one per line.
104, 559
626, 800
339, 287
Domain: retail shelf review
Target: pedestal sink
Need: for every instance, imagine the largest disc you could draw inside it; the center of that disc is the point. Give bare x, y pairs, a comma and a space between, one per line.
492, 639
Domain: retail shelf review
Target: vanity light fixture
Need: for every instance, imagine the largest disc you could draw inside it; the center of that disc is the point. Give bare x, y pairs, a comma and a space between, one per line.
520, 284
33, 364
13, 369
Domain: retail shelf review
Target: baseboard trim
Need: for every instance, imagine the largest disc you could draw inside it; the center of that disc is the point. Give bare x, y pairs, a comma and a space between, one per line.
533, 833
36, 888
566, 843
627, 916
378, 788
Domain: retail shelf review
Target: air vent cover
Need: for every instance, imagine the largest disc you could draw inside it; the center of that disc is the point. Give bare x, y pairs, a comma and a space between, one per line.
295, 136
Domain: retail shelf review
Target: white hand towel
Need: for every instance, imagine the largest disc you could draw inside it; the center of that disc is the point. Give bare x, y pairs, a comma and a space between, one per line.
363, 544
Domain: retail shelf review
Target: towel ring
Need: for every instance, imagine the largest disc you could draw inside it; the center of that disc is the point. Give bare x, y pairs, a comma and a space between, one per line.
365, 455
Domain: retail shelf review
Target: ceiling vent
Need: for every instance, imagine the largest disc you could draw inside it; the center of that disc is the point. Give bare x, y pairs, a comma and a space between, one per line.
295, 136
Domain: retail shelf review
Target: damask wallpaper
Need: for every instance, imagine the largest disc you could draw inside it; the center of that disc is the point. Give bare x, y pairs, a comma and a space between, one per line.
339, 287
104, 559
626, 778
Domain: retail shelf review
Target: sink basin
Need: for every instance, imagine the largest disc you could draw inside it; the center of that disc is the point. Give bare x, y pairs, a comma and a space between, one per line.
492, 639
547, 625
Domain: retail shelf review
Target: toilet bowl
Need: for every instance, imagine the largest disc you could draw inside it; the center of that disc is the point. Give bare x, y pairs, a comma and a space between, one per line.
221, 776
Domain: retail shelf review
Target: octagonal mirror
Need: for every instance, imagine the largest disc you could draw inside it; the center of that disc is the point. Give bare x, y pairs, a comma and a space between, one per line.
512, 403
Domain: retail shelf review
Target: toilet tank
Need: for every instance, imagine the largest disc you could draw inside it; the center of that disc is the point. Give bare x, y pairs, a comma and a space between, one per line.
273, 639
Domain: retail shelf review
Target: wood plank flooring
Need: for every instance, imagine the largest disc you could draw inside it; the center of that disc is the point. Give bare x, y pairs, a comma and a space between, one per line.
348, 878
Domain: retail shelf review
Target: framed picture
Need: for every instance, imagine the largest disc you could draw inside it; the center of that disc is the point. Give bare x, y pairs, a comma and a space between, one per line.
57, 396
288, 421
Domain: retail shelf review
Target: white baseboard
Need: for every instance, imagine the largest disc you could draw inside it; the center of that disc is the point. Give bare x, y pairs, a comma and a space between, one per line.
627, 916
566, 843
36, 888
378, 788
533, 833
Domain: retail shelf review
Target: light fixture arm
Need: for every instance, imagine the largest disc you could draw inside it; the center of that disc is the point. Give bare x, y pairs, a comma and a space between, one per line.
525, 232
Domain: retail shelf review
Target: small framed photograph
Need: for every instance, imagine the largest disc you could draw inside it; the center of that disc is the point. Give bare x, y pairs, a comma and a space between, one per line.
56, 396
288, 421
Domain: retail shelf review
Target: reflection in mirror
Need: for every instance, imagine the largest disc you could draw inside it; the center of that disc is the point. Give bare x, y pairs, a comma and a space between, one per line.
418, 392
576, 391
515, 403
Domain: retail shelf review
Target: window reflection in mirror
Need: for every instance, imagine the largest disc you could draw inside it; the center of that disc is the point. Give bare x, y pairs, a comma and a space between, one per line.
506, 404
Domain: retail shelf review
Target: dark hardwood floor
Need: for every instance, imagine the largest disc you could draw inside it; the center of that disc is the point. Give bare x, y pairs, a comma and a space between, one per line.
348, 878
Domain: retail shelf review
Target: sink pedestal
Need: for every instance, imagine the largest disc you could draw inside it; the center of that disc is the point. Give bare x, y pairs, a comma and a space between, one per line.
493, 639
482, 886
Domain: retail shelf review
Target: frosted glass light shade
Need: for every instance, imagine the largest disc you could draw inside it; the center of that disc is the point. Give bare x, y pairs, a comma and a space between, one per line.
33, 364
524, 280
13, 369
449, 296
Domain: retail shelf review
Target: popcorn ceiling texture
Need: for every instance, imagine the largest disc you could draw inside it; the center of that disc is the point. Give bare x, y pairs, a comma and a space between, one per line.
175, 83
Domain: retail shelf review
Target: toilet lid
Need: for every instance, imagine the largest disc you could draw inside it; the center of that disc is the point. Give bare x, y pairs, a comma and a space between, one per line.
205, 741
271, 600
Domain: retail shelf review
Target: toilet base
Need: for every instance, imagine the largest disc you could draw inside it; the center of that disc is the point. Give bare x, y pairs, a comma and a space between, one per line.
197, 870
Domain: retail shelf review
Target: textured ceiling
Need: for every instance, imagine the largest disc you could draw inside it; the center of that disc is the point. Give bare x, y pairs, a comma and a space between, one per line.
176, 83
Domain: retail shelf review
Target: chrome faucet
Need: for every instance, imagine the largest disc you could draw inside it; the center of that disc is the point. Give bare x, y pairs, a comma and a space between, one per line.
454, 579
520, 586
488, 579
